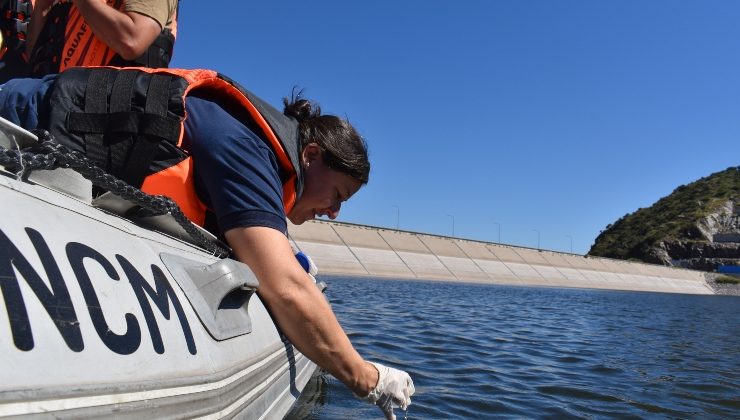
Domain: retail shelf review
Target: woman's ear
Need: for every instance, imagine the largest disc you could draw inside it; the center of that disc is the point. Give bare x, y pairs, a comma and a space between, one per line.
310, 153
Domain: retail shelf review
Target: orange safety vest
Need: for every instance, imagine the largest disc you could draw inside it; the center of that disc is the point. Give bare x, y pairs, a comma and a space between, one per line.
130, 122
66, 40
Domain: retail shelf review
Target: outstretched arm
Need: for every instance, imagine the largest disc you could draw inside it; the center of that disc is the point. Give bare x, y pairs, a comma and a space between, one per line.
127, 33
300, 309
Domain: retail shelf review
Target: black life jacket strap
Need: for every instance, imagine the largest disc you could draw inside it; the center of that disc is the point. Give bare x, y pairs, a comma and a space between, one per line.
96, 102
120, 104
122, 123
155, 129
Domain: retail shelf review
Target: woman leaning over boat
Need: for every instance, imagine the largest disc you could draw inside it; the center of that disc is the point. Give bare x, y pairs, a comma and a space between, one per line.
237, 167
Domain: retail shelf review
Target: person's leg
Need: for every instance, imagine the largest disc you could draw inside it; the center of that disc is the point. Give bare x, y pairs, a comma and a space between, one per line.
24, 102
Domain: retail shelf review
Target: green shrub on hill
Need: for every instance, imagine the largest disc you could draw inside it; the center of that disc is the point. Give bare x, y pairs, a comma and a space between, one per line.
727, 280
675, 217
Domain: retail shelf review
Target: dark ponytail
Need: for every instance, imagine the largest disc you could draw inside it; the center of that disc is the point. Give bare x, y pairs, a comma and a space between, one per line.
343, 149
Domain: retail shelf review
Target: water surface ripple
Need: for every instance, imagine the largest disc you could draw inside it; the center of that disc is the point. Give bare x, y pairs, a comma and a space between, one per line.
477, 351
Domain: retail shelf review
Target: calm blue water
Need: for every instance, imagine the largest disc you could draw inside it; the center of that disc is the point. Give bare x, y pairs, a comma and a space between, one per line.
493, 351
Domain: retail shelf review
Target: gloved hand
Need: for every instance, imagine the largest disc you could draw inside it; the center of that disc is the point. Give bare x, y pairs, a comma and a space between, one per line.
394, 389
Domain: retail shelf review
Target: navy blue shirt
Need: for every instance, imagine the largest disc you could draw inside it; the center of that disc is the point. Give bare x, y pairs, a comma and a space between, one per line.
236, 172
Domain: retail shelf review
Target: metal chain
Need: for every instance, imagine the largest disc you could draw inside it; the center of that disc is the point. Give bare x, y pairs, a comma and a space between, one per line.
48, 154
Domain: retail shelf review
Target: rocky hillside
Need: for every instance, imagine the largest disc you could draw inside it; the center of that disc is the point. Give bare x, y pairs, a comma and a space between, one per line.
696, 226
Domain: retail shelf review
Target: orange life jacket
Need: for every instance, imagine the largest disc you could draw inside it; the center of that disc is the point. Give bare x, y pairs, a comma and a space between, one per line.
66, 41
129, 121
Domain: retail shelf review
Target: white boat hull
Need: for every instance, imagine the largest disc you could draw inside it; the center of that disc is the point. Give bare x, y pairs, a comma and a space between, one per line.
93, 323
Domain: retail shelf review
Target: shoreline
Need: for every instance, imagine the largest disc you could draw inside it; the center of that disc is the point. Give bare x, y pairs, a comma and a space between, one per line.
346, 249
718, 289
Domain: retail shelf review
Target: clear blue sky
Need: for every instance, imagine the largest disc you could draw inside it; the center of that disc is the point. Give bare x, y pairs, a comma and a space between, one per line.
546, 117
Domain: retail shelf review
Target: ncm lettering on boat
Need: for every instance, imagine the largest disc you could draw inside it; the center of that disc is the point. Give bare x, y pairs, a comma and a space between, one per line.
57, 302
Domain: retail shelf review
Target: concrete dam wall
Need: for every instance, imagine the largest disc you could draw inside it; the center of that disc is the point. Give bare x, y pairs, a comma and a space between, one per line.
356, 250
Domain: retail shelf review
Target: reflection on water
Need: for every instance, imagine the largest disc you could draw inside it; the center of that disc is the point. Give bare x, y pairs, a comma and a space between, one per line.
482, 351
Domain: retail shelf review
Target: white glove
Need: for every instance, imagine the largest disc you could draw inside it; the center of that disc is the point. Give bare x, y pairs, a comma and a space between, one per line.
394, 390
